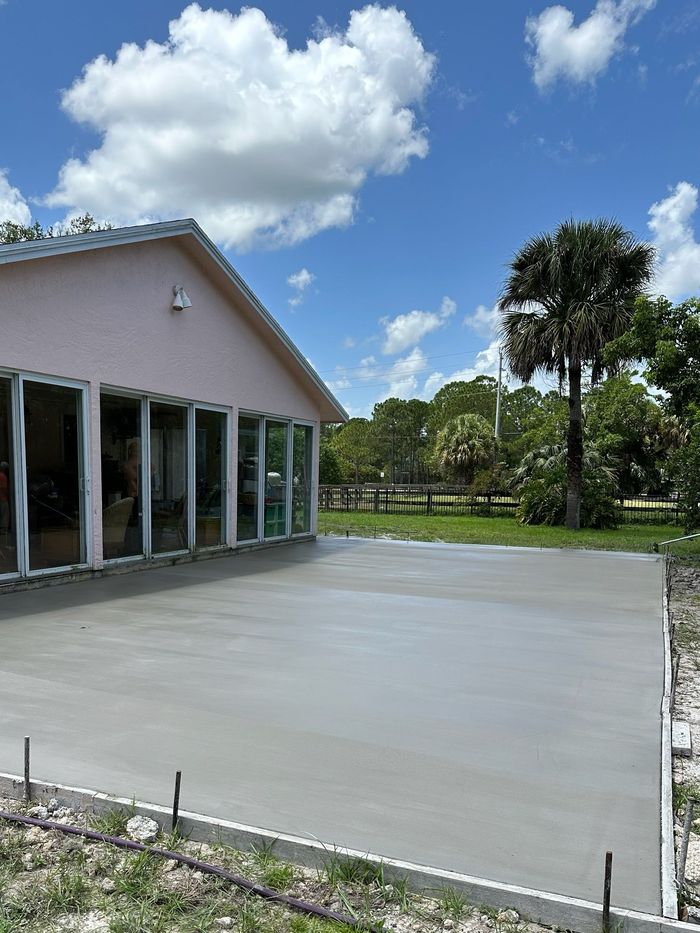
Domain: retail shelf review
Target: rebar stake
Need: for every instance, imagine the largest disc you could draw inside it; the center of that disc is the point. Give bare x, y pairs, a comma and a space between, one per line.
607, 886
176, 801
27, 786
683, 853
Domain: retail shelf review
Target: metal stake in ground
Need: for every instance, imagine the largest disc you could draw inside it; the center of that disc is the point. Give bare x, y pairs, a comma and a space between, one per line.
683, 854
27, 786
607, 886
176, 800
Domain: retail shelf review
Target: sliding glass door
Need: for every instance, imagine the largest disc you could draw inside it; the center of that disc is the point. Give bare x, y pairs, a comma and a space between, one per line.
276, 481
211, 464
122, 476
248, 478
170, 473
8, 518
302, 465
54, 458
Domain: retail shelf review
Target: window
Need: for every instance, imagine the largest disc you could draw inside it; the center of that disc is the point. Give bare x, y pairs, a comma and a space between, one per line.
53, 437
302, 478
276, 478
8, 519
248, 474
211, 479
122, 476
169, 478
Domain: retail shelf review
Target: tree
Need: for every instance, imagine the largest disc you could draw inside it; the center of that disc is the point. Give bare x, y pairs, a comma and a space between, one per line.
354, 444
11, 232
567, 295
463, 446
400, 435
329, 469
474, 397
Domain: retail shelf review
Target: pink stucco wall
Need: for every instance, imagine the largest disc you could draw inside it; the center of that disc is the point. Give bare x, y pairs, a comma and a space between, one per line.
105, 317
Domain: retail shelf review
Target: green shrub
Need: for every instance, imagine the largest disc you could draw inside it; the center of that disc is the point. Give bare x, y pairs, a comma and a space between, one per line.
543, 500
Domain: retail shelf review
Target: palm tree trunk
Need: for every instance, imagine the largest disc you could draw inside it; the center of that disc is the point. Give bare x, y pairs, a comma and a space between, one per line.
574, 449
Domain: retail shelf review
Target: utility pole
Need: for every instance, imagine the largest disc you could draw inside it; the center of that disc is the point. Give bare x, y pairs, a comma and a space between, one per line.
497, 430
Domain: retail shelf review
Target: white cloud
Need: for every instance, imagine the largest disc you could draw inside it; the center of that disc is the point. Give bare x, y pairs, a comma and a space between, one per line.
261, 143
299, 281
485, 364
678, 253
349, 342
483, 320
406, 330
402, 377
579, 53
12, 205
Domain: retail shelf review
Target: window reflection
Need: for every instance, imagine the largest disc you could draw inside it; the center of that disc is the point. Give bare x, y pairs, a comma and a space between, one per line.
122, 505
275, 479
53, 438
302, 479
169, 521
248, 459
211, 478
8, 529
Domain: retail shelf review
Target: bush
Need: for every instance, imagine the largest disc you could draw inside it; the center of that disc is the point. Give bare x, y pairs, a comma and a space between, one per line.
543, 501
685, 466
329, 469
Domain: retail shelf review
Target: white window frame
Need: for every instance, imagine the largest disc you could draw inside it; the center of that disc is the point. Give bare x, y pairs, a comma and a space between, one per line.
19, 465
228, 441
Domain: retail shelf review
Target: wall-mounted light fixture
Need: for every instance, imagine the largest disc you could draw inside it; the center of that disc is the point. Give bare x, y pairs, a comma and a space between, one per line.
181, 299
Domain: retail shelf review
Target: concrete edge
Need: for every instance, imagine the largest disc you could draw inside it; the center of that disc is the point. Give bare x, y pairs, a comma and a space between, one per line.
669, 890
550, 909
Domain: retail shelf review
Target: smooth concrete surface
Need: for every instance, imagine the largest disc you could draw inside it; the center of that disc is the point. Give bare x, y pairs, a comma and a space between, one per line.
489, 711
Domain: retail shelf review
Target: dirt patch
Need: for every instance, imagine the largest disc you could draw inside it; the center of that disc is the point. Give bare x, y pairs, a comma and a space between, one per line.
54, 883
685, 618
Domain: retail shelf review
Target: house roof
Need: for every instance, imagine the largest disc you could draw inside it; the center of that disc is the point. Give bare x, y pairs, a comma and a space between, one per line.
122, 236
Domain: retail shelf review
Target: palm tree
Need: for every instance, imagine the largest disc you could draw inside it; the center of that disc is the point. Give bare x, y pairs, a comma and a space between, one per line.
465, 444
568, 293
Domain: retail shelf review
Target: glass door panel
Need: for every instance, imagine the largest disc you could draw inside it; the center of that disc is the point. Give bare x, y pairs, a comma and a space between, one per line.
169, 520
8, 519
275, 479
210, 473
53, 448
248, 472
122, 477
301, 478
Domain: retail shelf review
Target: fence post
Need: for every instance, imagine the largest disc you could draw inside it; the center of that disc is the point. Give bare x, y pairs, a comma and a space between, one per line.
376, 500
386, 501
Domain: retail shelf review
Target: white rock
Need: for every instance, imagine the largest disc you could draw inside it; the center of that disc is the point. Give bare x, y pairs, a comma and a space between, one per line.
142, 828
224, 922
34, 836
40, 813
448, 924
107, 886
27, 862
509, 916
52, 805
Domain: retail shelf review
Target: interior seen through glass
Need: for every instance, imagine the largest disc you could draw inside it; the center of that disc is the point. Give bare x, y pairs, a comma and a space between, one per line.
275, 479
210, 447
169, 521
301, 479
53, 441
8, 527
248, 471
122, 504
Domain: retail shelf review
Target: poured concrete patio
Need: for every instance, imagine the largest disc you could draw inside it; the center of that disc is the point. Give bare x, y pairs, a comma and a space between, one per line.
492, 711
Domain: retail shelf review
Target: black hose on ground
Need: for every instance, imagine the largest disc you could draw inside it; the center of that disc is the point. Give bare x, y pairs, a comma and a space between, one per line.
314, 910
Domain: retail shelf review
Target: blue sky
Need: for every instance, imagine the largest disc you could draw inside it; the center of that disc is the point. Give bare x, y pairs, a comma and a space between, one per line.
389, 170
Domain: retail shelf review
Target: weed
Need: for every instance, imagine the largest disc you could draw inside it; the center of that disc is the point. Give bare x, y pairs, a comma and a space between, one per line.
681, 792
452, 903
359, 871
66, 890
112, 822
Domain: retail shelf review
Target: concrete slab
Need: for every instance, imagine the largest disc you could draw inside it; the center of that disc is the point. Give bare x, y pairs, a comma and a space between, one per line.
489, 711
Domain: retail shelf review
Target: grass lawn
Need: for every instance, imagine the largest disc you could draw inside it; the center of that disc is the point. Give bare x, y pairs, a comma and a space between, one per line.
468, 529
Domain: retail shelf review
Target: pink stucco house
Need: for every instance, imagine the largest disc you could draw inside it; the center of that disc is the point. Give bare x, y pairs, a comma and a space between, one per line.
150, 407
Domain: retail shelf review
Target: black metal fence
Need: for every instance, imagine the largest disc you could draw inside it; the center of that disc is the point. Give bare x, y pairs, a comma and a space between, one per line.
460, 500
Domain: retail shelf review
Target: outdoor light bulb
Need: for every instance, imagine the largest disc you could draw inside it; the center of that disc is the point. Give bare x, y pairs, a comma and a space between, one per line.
181, 300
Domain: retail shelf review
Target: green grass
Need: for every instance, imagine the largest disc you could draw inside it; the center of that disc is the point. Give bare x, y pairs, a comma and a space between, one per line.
468, 529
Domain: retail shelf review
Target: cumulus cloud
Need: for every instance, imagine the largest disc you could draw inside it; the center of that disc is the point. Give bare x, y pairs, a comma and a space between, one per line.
12, 205
403, 375
261, 143
579, 53
406, 330
678, 252
485, 364
483, 320
299, 281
